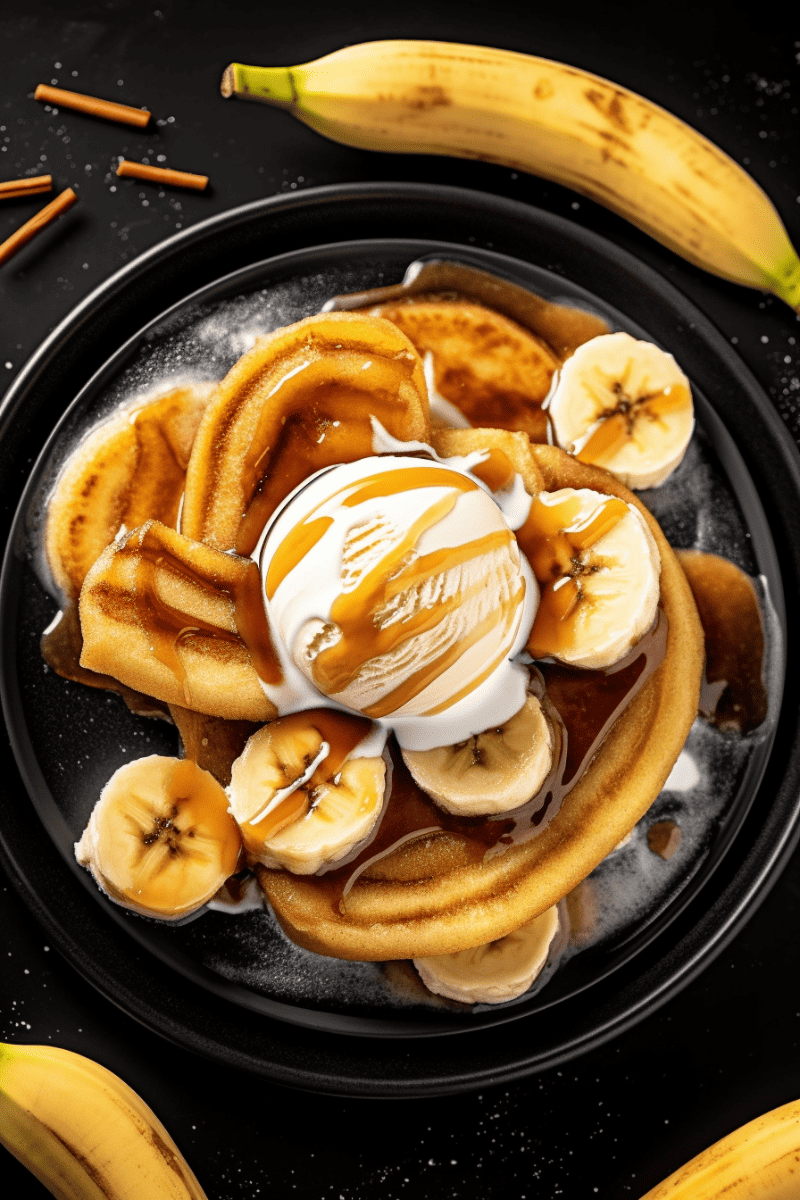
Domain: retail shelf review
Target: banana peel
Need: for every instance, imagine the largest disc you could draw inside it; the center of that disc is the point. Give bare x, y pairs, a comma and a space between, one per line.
552, 120
759, 1161
83, 1132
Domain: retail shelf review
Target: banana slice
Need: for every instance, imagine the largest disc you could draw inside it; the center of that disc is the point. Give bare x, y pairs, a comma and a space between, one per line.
599, 568
160, 839
491, 772
624, 405
300, 802
496, 972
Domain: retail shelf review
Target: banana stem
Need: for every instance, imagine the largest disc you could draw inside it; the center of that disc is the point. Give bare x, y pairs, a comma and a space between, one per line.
272, 85
787, 285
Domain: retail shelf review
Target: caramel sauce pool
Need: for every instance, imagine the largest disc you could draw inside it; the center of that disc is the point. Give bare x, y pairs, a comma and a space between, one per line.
580, 717
733, 695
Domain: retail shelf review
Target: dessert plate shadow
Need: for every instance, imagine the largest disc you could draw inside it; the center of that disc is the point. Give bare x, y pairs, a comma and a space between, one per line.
231, 986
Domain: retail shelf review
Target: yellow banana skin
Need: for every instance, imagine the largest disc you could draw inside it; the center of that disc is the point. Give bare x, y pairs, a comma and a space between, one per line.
83, 1132
549, 119
759, 1161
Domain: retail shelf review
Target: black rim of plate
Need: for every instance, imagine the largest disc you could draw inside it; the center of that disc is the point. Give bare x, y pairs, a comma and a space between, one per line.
299, 1056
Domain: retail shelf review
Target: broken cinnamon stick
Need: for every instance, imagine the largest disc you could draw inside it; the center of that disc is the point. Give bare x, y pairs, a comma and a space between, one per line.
43, 218
12, 189
23, 193
134, 170
109, 110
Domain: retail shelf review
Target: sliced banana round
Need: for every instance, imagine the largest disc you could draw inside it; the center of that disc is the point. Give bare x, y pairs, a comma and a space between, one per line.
599, 569
297, 803
491, 772
625, 405
160, 839
497, 972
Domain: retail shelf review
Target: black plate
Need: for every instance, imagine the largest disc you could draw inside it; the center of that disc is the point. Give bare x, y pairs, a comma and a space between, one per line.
192, 984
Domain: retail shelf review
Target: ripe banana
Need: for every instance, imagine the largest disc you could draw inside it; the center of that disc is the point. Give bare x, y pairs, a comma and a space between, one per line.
553, 120
491, 772
84, 1133
160, 839
299, 799
757, 1160
599, 569
497, 972
625, 405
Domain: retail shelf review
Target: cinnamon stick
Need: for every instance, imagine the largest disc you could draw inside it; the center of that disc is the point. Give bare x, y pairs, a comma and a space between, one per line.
43, 218
134, 170
109, 110
13, 189
23, 193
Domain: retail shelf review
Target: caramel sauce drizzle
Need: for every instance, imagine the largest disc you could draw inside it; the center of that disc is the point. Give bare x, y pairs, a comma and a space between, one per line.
305, 535
553, 545
496, 470
590, 701
252, 626
168, 626
338, 665
581, 707
617, 423
293, 550
281, 456
357, 613
342, 731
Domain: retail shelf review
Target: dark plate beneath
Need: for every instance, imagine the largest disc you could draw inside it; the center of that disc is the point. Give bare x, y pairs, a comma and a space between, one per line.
710, 502
68, 739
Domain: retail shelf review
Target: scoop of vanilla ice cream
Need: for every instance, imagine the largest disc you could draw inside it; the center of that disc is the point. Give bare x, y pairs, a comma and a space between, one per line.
397, 589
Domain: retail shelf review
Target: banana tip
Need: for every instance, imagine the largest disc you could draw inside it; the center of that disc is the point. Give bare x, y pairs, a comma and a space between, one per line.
227, 83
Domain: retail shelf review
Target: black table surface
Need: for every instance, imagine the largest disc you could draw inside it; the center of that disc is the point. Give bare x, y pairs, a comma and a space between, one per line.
615, 1121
